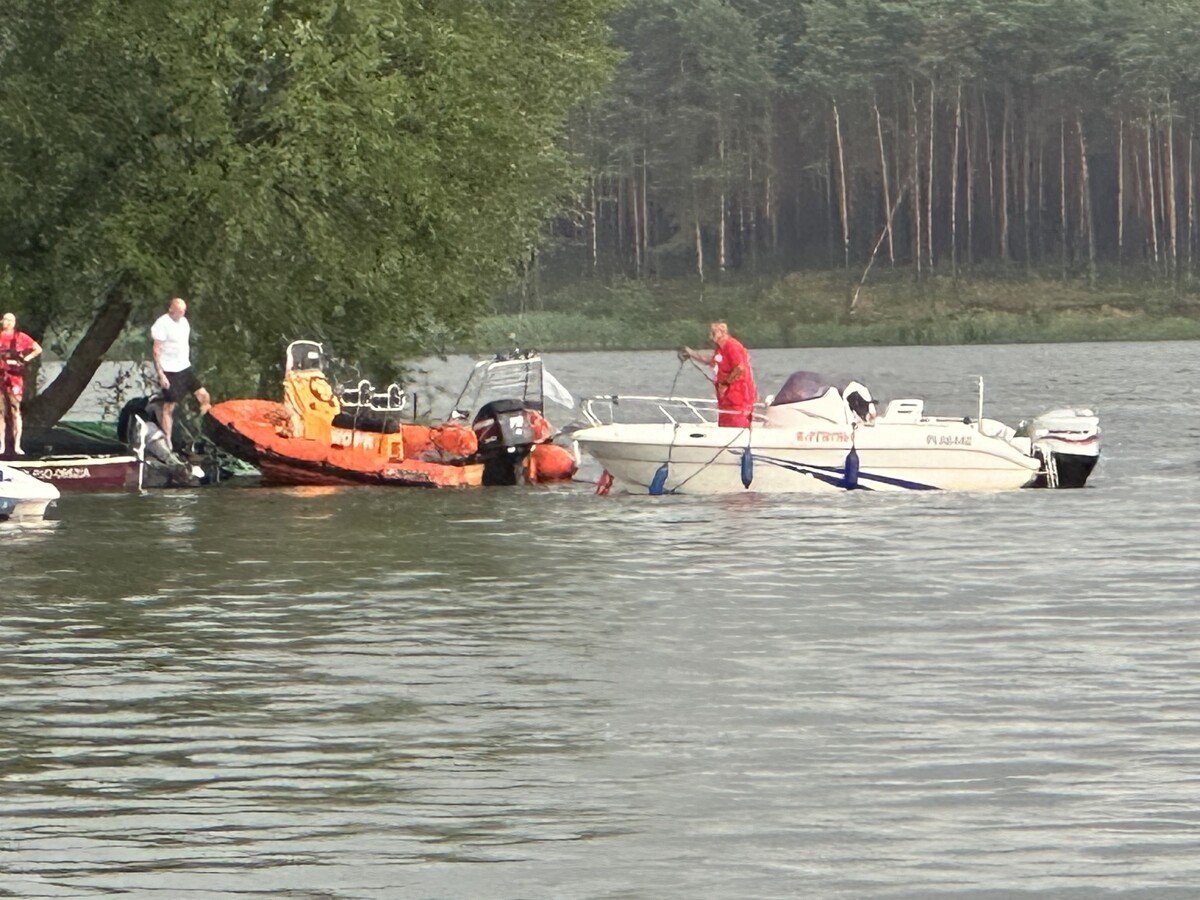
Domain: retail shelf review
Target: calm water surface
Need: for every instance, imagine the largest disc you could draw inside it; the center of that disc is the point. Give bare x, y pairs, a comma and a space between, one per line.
542, 693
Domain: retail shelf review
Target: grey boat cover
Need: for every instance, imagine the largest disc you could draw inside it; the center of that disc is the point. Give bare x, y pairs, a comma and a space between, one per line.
801, 386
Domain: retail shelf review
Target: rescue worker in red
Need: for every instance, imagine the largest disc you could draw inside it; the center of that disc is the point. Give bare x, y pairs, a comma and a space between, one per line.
733, 379
16, 350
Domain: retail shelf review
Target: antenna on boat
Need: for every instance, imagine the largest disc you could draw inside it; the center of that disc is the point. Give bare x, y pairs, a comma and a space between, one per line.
979, 424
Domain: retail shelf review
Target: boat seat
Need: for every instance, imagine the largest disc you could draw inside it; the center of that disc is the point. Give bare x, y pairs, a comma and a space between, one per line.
904, 410
367, 419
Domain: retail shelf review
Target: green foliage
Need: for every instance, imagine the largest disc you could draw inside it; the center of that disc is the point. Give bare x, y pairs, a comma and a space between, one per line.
365, 172
804, 309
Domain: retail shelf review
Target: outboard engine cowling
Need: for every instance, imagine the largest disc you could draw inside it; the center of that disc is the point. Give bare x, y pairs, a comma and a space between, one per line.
138, 428
1068, 443
504, 431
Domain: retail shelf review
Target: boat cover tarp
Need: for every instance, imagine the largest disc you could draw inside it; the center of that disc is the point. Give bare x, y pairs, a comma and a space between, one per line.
73, 439
801, 386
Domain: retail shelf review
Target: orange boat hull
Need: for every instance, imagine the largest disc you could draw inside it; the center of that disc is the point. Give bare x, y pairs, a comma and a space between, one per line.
257, 432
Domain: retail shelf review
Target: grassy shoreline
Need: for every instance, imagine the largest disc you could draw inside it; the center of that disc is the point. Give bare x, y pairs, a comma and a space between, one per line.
809, 309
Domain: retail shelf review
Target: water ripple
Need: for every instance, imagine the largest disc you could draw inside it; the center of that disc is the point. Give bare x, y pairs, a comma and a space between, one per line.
358, 693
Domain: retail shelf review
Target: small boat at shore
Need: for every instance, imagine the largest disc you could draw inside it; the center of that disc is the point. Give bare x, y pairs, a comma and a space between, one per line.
23, 497
117, 471
819, 436
99, 457
322, 435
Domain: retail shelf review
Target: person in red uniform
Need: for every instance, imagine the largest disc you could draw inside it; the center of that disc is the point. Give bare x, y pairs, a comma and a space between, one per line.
16, 350
733, 379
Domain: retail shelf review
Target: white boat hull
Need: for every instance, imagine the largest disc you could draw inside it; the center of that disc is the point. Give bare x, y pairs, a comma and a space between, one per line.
707, 459
23, 497
814, 437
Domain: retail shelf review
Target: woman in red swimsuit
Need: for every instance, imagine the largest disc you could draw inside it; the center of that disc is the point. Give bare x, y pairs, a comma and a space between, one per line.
16, 350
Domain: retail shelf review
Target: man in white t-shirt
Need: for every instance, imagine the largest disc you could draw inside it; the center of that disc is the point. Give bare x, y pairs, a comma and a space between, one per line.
172, 361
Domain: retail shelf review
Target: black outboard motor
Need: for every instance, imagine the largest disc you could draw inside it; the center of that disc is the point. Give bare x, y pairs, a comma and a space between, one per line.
163, 467
505, 437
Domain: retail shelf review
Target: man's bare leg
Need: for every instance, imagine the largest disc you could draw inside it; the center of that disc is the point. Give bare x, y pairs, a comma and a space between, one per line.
17, 425
204, 400
167, 410
3, 419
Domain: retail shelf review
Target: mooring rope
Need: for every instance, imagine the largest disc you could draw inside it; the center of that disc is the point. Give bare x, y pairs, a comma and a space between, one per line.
711, 461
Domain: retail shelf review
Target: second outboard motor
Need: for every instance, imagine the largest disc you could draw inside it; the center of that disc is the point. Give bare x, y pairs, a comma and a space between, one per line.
1068, 443
505, 435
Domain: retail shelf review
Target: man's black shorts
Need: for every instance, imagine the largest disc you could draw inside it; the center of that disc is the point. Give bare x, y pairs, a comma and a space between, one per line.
182, 384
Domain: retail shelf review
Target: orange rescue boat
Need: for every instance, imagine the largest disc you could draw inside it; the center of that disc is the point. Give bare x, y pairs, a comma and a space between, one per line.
319, 435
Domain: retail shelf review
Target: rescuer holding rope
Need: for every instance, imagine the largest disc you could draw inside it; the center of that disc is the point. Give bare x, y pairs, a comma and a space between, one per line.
733, 379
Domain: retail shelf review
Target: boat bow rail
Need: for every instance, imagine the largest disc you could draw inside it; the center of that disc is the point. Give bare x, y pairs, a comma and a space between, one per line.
364, 395
633, 409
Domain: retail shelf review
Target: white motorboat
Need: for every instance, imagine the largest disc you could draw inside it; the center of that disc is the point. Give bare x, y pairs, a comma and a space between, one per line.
815, 435
23, 497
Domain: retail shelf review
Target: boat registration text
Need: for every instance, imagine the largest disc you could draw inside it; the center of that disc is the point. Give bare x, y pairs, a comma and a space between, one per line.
948, 440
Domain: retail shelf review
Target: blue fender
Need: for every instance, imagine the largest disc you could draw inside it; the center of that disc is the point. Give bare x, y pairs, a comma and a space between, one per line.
747, 468
659, 482
850, 471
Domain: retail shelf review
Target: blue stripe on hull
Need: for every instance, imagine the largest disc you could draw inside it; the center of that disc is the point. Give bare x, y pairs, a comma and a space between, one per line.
835, 476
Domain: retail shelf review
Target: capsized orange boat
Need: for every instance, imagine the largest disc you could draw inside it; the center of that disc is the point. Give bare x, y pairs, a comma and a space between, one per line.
325, 436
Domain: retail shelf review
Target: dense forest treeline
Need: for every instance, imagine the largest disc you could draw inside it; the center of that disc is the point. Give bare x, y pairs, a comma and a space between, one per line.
769, 135
375, 172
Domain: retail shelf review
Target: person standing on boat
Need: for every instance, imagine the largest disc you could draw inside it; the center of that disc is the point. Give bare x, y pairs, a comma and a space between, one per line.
16, 350
171, 335
733, 379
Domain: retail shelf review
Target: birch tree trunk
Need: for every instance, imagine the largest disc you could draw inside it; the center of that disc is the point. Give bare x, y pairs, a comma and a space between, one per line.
619, 196
645, 214
743, 232
1171, 217
1120, 190
721, 254
898, 161
1025, 166
1151, 192
1085, 189
830, 251
842, 202
970, 198
1139, 198
1160, 150
721, 236
916, 177
592, 218
635, 208
769, 205
1191, 200
954, 184
1005, 254
991, 172
1041, 200
1062, 192
772, 216
929, 183
887, 196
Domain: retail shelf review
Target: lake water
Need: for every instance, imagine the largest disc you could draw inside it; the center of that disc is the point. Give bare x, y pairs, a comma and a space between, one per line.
543, 693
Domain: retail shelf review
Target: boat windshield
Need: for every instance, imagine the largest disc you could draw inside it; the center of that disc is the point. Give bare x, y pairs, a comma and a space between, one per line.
802, 386
513, 376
